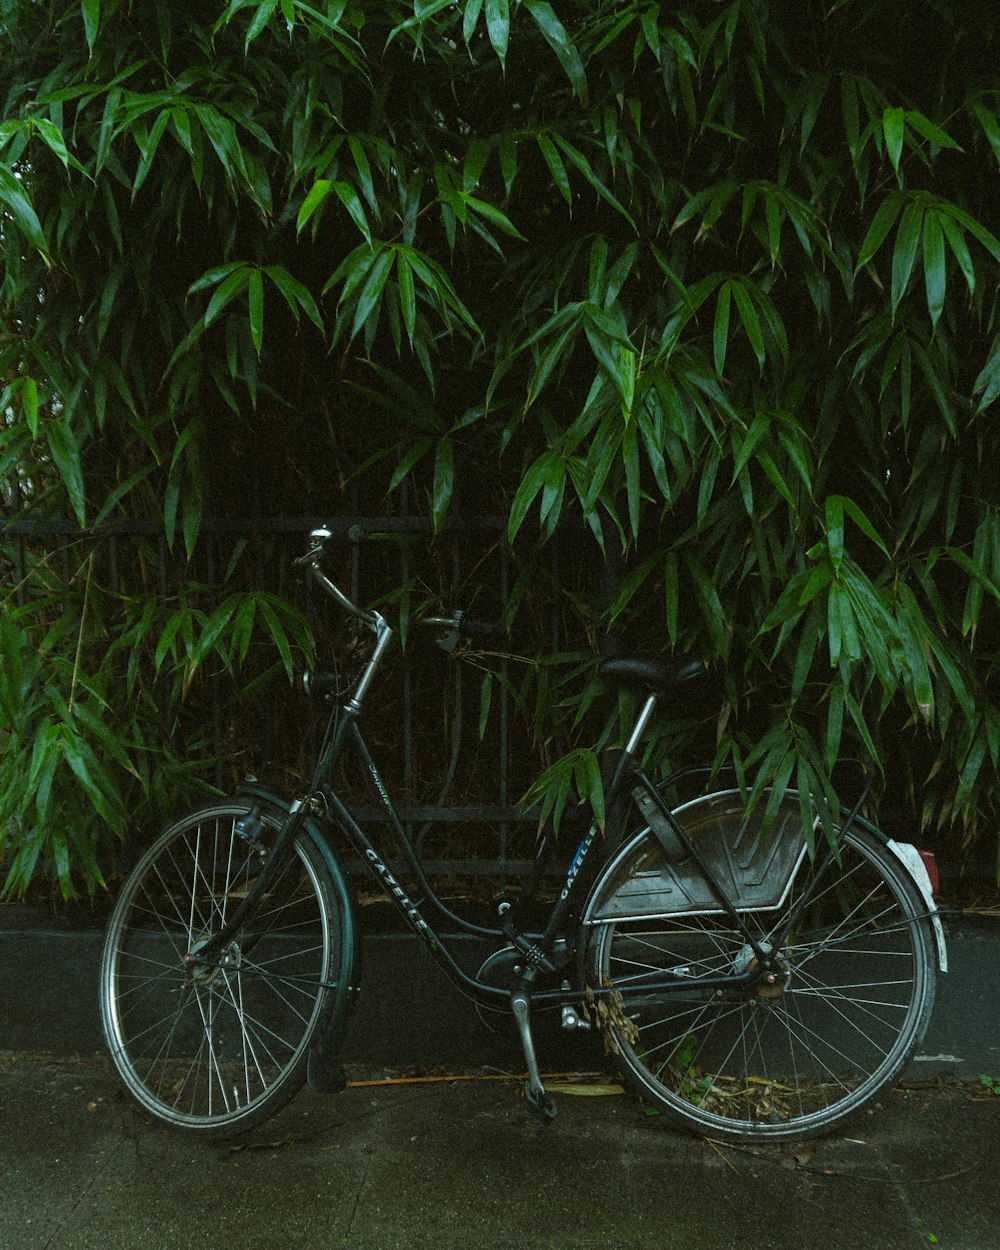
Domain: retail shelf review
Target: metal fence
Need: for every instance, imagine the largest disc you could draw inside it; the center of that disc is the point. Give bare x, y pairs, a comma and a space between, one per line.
471, 823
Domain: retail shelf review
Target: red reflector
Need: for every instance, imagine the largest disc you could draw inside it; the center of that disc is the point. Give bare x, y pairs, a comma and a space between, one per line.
930, 863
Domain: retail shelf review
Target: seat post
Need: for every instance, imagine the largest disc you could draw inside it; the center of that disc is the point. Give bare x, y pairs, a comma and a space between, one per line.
640, 725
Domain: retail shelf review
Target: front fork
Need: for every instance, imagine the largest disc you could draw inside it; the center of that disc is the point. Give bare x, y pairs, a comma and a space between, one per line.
210, 952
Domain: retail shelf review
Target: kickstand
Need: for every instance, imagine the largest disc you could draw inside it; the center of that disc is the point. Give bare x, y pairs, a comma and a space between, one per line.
536, 1099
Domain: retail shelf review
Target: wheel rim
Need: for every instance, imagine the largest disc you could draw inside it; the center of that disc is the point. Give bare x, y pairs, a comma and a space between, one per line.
204, 1044
840, 1012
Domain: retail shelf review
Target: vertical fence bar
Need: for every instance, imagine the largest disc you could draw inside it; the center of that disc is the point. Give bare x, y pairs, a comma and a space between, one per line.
463, 537
504, 753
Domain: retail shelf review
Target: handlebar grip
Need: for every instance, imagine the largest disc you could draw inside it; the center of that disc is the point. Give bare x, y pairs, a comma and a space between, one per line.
320, 685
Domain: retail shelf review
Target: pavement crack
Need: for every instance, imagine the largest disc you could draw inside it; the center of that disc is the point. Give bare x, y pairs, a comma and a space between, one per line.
357, 1203
86, 1192
917, 1222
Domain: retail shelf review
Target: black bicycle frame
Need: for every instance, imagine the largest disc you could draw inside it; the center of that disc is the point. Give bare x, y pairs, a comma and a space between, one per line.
538, 950
538, 947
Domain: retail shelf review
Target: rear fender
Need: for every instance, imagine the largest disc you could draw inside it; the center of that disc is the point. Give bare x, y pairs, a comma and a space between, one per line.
755, 873
912, 861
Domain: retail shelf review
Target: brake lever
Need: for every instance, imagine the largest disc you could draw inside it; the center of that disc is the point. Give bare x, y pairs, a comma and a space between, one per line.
310, 556
449, 641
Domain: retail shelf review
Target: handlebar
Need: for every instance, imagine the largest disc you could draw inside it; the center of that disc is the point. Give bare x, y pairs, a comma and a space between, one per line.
318, 539
457, 624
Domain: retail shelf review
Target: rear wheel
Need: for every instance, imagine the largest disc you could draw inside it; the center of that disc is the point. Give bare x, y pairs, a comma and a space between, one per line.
218, 1046
828, 1020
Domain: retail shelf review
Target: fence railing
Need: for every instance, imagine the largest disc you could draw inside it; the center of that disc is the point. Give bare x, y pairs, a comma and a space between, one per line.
479, 789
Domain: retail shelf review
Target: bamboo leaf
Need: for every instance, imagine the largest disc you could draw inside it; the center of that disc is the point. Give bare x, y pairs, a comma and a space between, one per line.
914, 628
531, 484
349, 198
226, 292
265, 11
935, 277
905, 251
498, 27
837, 506
255, 292
278, 634
11, 669
121, 491
849, 108
577, 158
836, 606
45, 758
485, 701
894, 127
29, 401
561, 44
295, 294
834, 508
489, 213
444, 479
65, 451
720, 333
53, 138
878, 231
317, 196
13, 196
760, 426
987, 384
990, 124
590, 785
925, 127
834, 724
423, 12
193, 500
407, 461
750, 320
91, 10
956, 241
557, 168
470, 18
407, 293
975, 228
212, 277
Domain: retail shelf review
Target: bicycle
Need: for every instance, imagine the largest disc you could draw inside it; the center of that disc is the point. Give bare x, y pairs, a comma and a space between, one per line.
752, 987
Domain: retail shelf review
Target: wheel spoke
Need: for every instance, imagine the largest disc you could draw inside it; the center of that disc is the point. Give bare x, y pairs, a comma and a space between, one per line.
220, 1045
837, 991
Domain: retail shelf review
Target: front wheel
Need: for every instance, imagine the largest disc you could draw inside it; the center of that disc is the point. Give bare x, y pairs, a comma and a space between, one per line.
850, 955
218, 1046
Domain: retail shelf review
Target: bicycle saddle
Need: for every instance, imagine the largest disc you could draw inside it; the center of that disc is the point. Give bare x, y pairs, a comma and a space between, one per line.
657, 674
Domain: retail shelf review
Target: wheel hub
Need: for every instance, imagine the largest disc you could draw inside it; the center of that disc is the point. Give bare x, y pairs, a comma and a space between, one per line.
229, 960
770, 976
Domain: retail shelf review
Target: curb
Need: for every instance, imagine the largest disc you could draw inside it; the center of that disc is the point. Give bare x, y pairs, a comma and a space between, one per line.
409, 1014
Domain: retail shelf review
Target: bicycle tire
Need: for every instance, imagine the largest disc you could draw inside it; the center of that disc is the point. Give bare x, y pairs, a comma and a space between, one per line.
791, 1060
218, 1049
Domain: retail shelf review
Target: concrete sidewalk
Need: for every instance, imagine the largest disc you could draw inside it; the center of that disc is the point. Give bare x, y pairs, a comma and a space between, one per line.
458, 1165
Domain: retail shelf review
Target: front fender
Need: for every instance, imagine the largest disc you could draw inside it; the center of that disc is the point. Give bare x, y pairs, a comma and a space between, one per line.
324, 1072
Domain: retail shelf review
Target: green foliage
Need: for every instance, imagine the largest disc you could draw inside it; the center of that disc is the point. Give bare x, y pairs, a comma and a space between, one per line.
712, 285
87, 676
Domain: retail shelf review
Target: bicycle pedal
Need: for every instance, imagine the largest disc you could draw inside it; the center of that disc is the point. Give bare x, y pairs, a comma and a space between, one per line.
539, 1104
